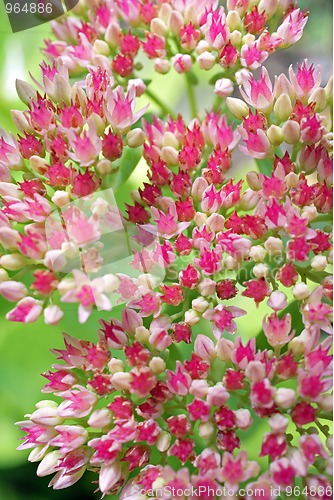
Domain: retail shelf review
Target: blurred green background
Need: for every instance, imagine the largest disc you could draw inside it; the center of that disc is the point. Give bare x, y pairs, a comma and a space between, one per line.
24, 350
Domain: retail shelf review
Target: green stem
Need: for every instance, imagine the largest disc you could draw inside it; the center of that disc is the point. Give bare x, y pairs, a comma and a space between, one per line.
191, 95
164, 108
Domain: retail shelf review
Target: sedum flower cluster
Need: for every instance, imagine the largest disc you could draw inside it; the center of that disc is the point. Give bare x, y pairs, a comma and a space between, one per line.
169, 389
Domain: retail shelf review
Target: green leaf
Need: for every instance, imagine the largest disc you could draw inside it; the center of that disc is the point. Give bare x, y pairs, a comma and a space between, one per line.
265, 166
127, 164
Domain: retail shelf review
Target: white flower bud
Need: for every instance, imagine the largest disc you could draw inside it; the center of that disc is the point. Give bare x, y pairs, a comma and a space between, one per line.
291, 132
158, 26
200, 304
301, 291
170, 155
238, 108
157, 365
261, 270
235, 38
206, 60
163, 441
135, 138
142, 334
115, 365
275, 135
284, 397
274, 246
200, 218
101, 47
121, 381
319, 263
61, 198
99, 418
206, 429
291, 180
233, 20
13, 262
257, 253
191, 317
283, 107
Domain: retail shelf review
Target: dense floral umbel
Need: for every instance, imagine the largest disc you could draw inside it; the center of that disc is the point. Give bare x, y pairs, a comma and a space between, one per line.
167, 394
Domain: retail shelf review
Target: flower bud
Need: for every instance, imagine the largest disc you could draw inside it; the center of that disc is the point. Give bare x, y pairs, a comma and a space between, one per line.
66, 285
121, 381
233, 20
138, 84
112, 34
204, 347
163, 441
235, 38
257, 253
243, 418
283, 108
248, 39
231, 263
161, 66
309, 213
277, 301
224, 87
38, 164
254, 180
61, 198
175, 22
48, 464
52, 314
206, 429
135, 138
115, 365
274, 246
285, 398
301, 291
255, 371
319, 98
275, 135
206, 60
48, 415
3, 275
283, 86
54, 260
21, 122
217, 395
319, 263
200, 218
101, 47
13, 262
99, 418
158, 26
170, 155
142, 334
165, 11
200, 304
199, 388
261, 270
206, 287
25, 91
191, 317
291, 132
249, 199
224, 349
278, 423
157, 365
238, 108
104, 167
329, 91
191, 14
199, 186
215, 222
182, 63
291, 180
326, 402
9, 238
